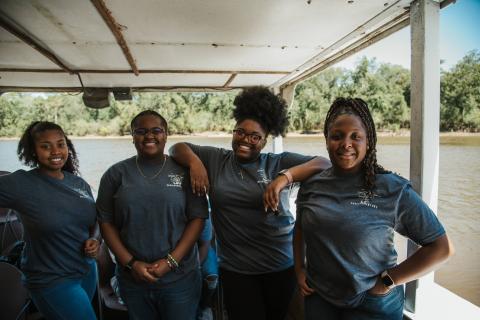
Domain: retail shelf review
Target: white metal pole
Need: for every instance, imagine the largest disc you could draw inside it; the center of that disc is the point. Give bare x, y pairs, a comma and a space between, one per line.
287, 93
425, 118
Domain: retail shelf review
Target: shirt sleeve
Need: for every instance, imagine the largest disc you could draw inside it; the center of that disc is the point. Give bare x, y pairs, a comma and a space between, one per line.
416, 220
196, 205
9, 190
290, 159
86, 187
105, 200
302, 198
210, 156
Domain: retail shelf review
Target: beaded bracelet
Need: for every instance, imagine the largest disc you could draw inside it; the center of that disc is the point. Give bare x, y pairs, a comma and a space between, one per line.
172, 263
169, 264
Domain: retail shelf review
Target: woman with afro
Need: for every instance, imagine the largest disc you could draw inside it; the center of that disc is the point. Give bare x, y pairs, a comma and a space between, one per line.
250, 212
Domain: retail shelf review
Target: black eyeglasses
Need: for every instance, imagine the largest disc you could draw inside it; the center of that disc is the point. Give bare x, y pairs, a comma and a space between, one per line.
145, 131
253, 138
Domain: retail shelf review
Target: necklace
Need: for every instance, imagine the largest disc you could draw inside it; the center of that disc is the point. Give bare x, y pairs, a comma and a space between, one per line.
238, 167
156, 174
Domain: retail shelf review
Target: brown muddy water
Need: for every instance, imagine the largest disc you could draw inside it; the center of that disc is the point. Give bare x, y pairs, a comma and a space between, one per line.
459, 185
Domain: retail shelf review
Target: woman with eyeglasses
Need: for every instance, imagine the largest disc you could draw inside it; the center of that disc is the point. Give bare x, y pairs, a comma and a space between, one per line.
151, 220
251, 217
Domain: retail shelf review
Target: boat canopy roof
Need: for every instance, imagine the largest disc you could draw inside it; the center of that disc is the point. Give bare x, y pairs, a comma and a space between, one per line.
149, 45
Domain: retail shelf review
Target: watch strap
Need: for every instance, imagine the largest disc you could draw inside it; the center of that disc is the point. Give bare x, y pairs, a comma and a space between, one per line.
129, 265
387, 280
287, 174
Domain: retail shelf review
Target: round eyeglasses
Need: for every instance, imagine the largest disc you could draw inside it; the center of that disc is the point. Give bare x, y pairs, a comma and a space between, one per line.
145, 131
252, 138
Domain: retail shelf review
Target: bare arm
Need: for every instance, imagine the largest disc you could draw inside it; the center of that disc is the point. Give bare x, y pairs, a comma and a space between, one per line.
112, 238
203, 246
303, 171
92, 244
423, 261
299, 173
299, 258
187, 241
183, 154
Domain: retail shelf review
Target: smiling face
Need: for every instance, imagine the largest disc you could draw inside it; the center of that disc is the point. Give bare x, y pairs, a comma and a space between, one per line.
347, 143
243, 141
51, 151
149, 143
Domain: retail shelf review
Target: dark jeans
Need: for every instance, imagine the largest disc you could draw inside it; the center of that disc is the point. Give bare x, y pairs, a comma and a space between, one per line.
257, 297
69, 299
175, 301
373, 307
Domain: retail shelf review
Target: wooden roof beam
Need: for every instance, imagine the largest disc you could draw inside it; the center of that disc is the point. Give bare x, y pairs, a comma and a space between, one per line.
117, 32
150, 71
134, 89
229, 81
32, 43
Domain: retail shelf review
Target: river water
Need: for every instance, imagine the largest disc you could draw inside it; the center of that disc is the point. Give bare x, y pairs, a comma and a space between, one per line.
459, 185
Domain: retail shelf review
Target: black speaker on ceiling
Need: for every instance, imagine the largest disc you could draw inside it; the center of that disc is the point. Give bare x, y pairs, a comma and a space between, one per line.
96, 98
122, 93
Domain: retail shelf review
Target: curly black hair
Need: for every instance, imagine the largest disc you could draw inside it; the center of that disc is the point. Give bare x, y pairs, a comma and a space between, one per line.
26, 146
148, 113
260, 104
357, 106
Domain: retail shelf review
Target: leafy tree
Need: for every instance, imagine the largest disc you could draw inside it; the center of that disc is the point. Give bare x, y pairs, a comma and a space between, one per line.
460, 95
385, 87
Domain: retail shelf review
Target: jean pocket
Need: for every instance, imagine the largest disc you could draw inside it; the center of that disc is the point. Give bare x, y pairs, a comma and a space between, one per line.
386, 306
386, 294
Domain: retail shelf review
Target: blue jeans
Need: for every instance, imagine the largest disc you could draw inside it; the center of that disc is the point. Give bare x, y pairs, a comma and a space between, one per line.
210, 265
372, 307
174, 301
69, 299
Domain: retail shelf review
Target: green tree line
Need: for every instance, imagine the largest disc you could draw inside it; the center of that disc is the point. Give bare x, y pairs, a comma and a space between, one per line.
385, 87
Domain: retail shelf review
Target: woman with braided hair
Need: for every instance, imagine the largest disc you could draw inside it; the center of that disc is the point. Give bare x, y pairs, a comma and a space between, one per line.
254, 243
346, 218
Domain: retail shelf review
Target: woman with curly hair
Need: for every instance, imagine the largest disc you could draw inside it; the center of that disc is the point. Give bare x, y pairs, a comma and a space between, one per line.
57, 210
251, 216
346, 217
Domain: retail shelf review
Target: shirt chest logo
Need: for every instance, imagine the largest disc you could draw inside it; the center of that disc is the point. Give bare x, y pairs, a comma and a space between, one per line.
365, 198
262, 177
175, 180
82, 193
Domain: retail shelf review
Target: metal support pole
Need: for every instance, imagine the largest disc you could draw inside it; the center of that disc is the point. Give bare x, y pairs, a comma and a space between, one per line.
425, 118
287, 93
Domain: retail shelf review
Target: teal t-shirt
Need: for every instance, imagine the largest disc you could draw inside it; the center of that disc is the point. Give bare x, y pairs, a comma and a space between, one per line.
349, 232
56, 215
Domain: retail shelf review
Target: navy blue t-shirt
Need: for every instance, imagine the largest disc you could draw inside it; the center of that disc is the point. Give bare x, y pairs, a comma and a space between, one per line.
349, 232
56, 215
250, 240
150, 214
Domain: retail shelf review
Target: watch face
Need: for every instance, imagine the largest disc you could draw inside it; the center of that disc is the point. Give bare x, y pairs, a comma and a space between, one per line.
387, 281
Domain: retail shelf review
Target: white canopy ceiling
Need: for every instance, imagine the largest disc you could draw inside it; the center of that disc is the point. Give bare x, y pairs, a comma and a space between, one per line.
57, 45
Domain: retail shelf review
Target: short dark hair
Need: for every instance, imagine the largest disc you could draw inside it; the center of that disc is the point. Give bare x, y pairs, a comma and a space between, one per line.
26, 146
148, 113
358, 107
262, 105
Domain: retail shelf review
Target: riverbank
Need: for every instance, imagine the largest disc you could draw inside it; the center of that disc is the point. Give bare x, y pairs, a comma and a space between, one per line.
221, 134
